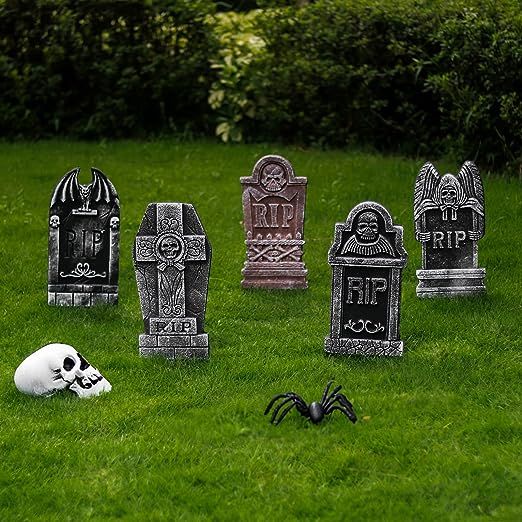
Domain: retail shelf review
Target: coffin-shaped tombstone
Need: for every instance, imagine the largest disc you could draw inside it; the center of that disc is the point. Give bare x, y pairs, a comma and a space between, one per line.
172, 263
449, 221
84, 241
367, 258
273, 214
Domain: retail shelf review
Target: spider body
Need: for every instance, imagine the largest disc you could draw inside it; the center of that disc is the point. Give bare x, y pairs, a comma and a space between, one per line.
316, 411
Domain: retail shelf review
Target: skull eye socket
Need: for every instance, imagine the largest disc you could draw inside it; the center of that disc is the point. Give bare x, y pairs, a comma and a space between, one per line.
68, 364
83, 362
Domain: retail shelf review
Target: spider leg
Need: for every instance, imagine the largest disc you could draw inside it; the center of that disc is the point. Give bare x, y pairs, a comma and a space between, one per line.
277, 397
344, 401
279, 406
331, 396
283, 415
326, 390
341, 399
302, 407
350, 414
346, 407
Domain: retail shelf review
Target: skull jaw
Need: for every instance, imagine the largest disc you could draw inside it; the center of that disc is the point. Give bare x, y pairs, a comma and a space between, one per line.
100, 387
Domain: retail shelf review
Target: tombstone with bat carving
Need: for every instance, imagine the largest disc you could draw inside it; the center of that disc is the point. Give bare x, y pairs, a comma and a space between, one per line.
449, 220
84, 238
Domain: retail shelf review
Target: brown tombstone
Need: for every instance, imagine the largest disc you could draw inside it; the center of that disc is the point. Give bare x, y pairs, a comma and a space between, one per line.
273, 213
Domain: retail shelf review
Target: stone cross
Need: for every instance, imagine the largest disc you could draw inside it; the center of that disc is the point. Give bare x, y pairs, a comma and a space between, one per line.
84, 238
449, 220
172, 263
367, 258
273, 210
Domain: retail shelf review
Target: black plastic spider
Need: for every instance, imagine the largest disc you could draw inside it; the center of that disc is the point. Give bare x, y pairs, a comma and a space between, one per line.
317, 410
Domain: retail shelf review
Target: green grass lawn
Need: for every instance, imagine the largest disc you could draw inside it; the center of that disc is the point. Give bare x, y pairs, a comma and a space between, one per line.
439, 430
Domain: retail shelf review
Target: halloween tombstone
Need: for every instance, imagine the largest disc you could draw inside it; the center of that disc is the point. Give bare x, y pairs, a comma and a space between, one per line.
172, 263
449, 221
273, 213
367, 258
84, 238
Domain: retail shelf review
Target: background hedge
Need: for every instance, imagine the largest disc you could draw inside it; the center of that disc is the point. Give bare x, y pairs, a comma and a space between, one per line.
101, 68
419, 77
414, 76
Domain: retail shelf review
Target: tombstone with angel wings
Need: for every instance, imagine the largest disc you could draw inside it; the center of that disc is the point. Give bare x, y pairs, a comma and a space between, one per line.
449, 221
84, 238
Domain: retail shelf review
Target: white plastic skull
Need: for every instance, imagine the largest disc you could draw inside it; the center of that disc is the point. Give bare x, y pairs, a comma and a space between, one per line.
58, 367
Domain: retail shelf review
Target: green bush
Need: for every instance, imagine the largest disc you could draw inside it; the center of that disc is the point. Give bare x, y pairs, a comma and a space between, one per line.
100, 68
231, 92
418, 77
414, 76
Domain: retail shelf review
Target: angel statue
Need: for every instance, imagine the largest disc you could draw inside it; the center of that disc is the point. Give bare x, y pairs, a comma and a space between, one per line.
449, 220
449, 194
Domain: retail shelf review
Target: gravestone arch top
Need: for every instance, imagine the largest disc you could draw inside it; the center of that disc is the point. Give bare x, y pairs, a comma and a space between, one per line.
273, 216
367, 257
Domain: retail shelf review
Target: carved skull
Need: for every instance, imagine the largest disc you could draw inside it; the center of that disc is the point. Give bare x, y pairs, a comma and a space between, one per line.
450, 190
54, 221
114, 223
170, 247
367, 227
58, 367
273, 178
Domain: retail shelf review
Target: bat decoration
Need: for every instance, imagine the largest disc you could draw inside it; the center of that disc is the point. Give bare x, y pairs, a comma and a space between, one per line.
449, 193
70, 191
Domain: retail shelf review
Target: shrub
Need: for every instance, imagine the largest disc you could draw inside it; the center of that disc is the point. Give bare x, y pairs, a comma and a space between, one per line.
230, 93
92, 68
419, 77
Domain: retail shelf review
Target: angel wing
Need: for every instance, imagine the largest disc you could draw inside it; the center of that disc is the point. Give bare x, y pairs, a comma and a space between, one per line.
67, 189
425, 186
469, 178
102, 188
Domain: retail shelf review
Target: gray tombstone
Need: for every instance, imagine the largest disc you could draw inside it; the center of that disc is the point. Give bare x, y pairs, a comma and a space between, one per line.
84, 239
172, 263
449, 221
367, 258
273, 212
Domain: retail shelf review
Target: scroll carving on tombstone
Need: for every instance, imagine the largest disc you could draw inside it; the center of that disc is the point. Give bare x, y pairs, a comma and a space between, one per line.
367, 258
84, 238
172, 263
273, 213
449, 220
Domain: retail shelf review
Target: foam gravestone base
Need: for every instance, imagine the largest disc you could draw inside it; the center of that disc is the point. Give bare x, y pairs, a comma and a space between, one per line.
273, 216
449, 220
172, 264
84, 238
367, 258
57, 367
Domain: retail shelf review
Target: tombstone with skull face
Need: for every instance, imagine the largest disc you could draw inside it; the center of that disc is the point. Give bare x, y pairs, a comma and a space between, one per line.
273, 210
367, 258
57, 367
172, 263
84, 236
449, 221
